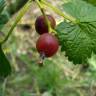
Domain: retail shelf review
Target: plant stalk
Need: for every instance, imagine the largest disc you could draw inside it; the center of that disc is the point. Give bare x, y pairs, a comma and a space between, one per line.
18, 18
56, 10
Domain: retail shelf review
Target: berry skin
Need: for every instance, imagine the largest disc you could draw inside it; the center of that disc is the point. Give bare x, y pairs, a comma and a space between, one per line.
41, 26
47, 45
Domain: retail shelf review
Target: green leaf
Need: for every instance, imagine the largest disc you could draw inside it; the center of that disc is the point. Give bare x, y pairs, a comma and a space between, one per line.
93, 2
2, 5
3, 16
78, 40
5, 68
3, 19
81, 10
15, 6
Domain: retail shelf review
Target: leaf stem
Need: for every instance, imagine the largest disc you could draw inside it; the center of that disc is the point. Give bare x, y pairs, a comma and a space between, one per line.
63, 14
18, 18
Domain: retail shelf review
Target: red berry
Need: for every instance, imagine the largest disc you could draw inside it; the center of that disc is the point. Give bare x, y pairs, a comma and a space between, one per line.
47, 45
41, 26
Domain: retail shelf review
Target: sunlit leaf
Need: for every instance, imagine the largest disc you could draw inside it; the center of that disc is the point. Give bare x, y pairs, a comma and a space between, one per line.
78, 40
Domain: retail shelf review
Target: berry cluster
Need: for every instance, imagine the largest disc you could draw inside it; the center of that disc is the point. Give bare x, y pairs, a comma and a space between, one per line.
47, 44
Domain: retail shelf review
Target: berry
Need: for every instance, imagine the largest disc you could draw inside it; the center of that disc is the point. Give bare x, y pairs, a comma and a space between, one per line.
47, 45
41, 26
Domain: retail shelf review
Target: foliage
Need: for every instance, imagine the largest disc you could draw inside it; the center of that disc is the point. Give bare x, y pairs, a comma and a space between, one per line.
93, 2
2, 4
78, 40
5, 68
15, 6
2, 17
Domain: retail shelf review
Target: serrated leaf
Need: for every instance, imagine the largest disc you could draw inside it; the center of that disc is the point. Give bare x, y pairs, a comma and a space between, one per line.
81, 10
5, 68
78, 40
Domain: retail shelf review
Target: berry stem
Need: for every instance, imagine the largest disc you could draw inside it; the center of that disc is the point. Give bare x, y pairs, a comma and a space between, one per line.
63, 14
42, 58
46, 19
18, 18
